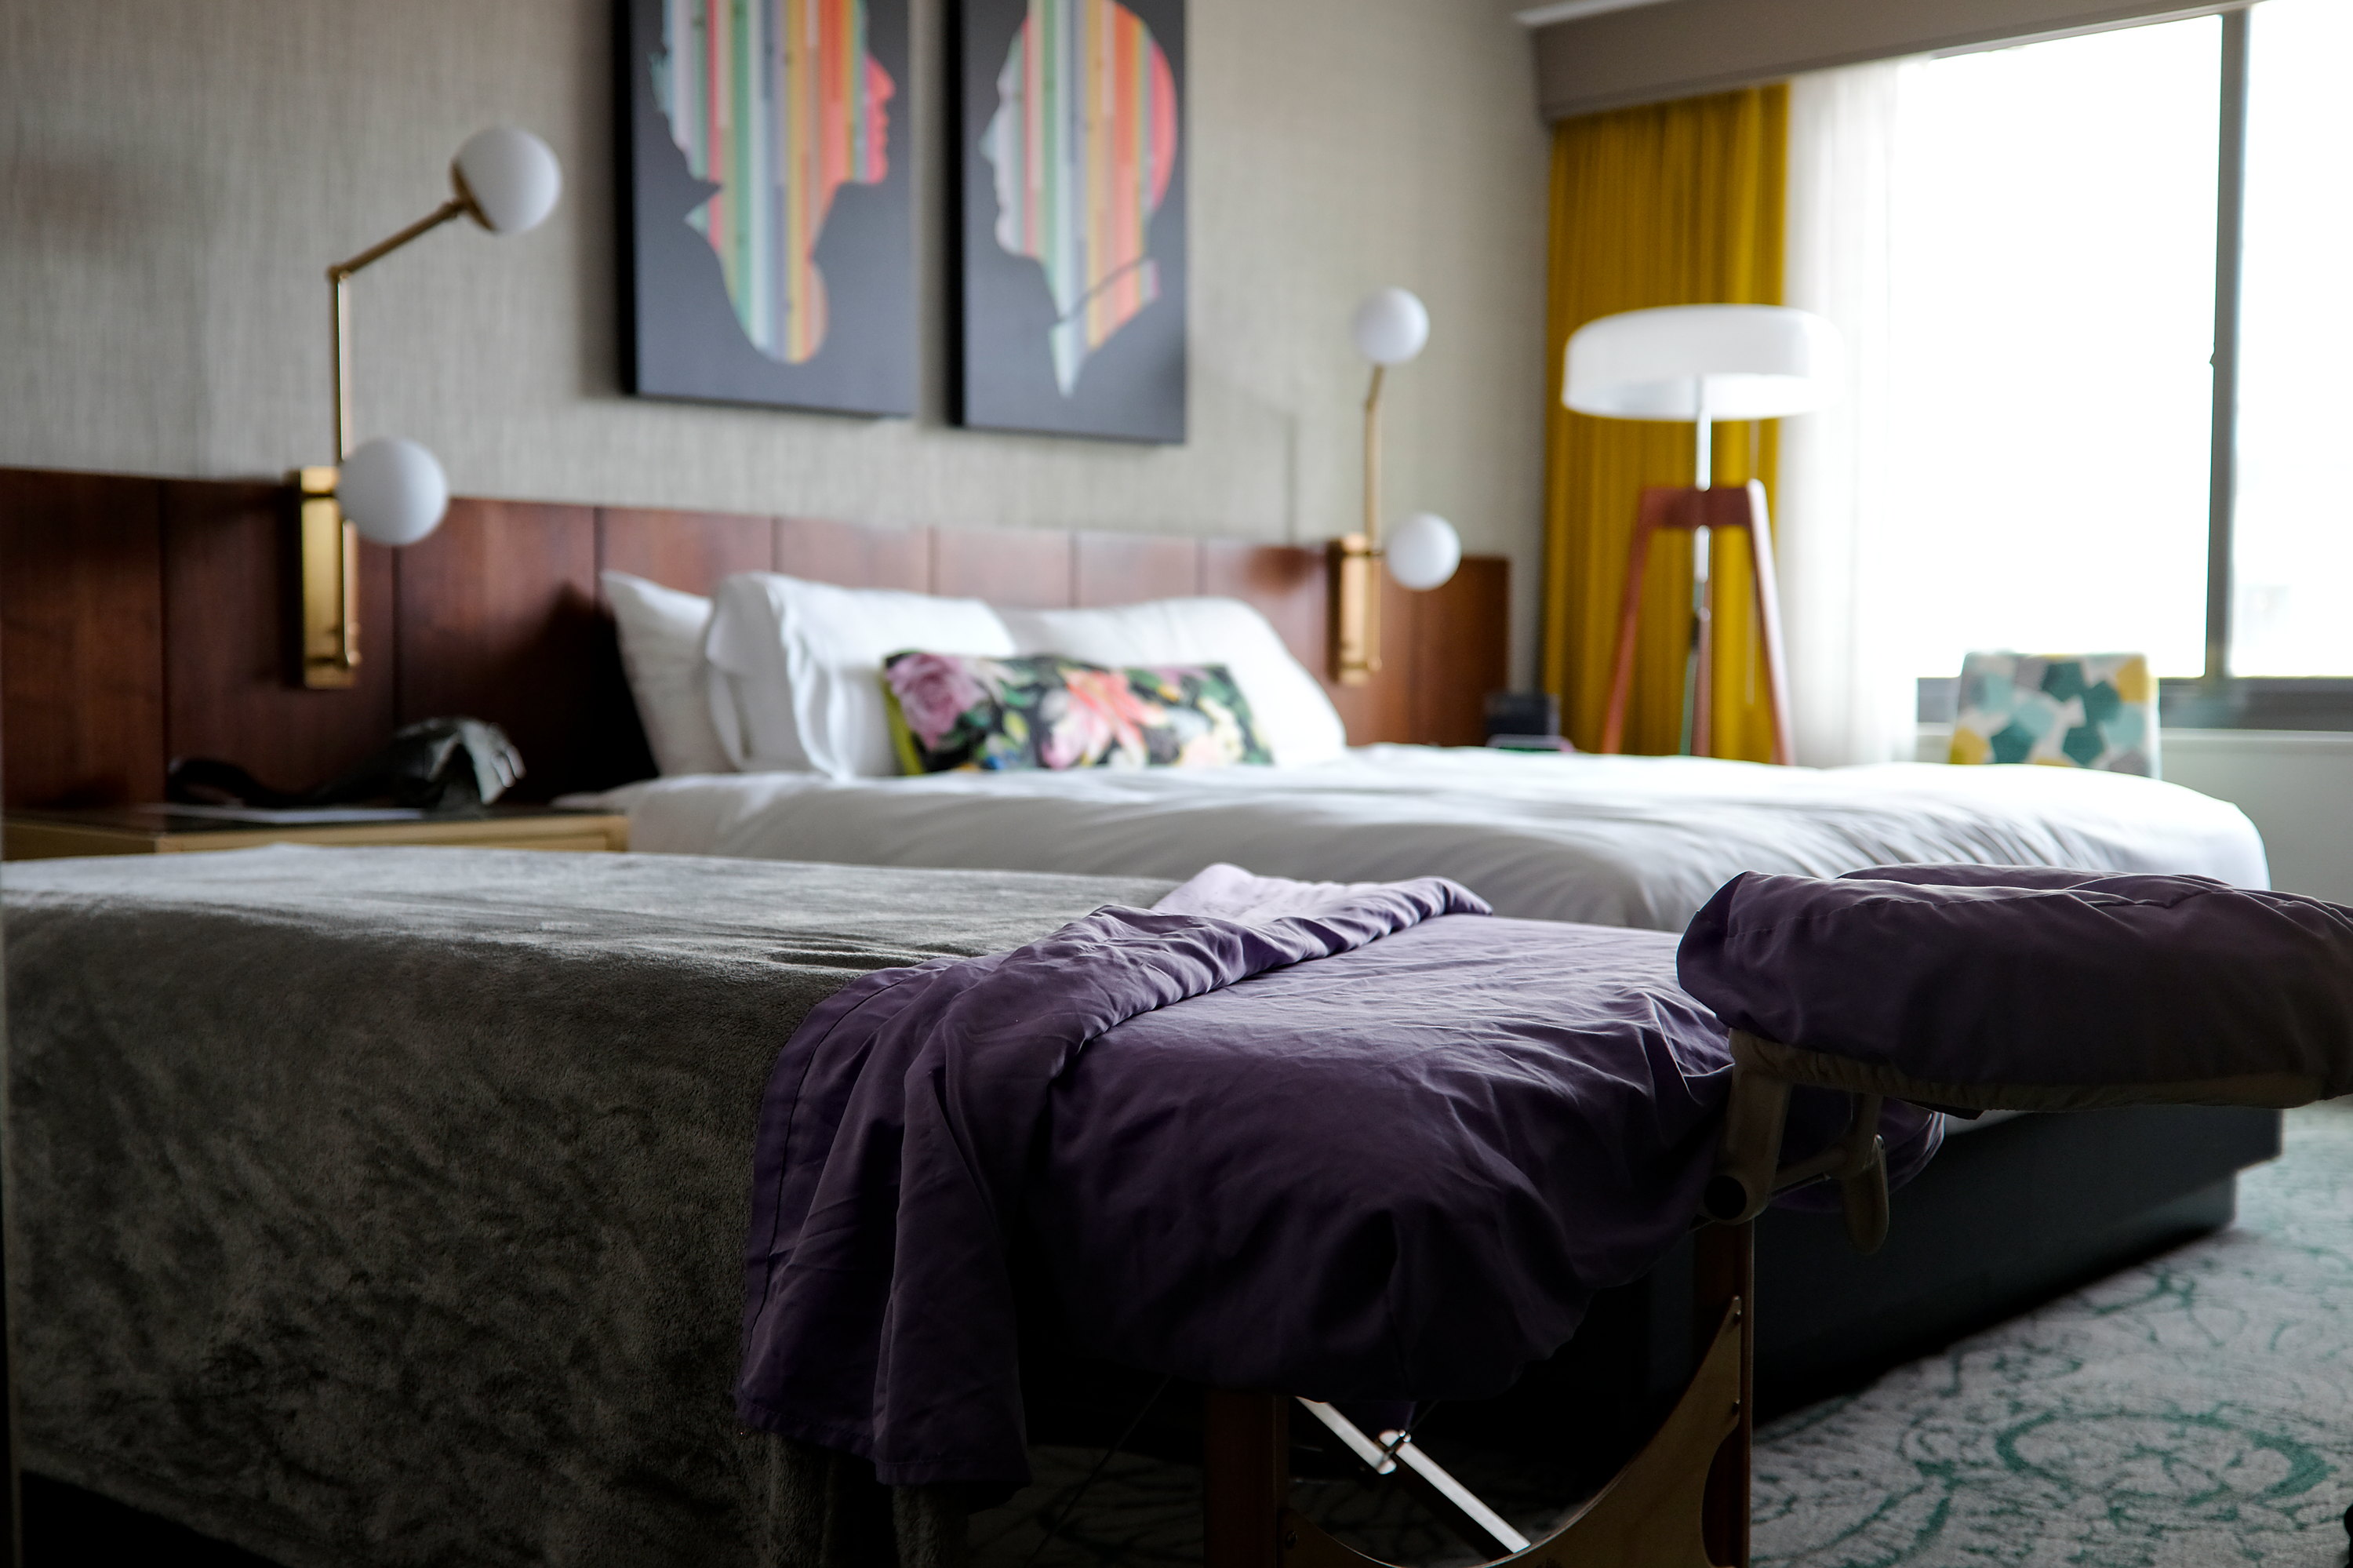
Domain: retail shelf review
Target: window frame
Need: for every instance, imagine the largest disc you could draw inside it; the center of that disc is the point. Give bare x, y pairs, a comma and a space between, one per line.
2218, 699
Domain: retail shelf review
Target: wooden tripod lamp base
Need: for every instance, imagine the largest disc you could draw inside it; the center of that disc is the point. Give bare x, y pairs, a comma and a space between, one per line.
1685, 507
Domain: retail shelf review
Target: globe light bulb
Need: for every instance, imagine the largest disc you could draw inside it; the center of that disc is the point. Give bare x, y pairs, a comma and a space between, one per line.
1390, 327
393, 491
512, 177
1423, 551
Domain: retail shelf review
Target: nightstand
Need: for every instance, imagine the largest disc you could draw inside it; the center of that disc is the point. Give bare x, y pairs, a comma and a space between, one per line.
165, 830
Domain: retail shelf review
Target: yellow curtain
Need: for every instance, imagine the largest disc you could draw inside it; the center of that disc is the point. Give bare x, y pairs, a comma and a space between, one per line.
1674, 203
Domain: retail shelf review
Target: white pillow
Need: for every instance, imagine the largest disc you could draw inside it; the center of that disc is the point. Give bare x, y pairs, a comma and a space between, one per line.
797, 668
661, 650
1288, 706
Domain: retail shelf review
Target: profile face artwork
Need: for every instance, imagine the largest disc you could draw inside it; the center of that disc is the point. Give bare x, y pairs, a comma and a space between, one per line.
1083, 145
771, 228
778, 104
1073, 287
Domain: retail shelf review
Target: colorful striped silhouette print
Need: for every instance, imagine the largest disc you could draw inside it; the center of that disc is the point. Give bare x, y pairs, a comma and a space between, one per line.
779, 104
1084, 144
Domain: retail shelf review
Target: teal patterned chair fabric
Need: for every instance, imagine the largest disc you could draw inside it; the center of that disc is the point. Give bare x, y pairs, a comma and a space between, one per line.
2088, 710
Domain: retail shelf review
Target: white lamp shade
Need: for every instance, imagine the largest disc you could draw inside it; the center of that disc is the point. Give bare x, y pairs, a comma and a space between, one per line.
512, 176
1390, 327
1738, 361
1423, 551
393, 491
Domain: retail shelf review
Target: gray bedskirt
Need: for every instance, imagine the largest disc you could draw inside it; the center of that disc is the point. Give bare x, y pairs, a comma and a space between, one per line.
386, 1206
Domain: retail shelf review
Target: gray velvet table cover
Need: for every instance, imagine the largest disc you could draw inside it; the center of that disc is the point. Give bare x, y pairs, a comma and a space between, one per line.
386, 1206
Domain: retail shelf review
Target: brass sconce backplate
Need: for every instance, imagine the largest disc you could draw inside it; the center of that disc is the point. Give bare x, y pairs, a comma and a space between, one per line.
1356, 609
331, 583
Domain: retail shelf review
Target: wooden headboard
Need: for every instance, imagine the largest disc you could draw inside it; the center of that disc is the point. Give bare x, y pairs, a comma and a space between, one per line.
146, 618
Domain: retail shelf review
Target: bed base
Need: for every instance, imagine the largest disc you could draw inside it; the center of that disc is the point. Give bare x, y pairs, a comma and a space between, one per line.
1681, 1501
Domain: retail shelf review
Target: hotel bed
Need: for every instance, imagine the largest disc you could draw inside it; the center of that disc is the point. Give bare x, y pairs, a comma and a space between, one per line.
1613, 841
780, 736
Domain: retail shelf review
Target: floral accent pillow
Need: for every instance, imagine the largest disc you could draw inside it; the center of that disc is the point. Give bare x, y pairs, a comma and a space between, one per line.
959, 711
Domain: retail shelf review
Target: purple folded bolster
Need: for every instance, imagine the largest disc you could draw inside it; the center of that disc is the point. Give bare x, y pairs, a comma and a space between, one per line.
1361, 1142
2027, 980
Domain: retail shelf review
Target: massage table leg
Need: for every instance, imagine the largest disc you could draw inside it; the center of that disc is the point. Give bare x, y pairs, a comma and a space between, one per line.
1724, 1275
1681, 1502
1245, 1478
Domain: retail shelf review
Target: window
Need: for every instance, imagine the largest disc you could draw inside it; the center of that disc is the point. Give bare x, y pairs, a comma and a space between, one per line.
2053, 277
2066, 369
2292, 530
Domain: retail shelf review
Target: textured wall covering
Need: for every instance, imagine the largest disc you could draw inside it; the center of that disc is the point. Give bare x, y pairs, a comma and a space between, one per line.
175, 175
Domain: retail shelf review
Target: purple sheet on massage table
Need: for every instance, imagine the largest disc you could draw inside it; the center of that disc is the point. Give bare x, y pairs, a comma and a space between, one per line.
1359, 1143
1973, 974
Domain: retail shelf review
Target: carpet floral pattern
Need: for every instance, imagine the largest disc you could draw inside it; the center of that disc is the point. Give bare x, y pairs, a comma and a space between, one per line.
2195, 1411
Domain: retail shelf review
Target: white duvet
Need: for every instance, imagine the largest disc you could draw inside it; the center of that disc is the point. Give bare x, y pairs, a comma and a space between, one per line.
1616, 841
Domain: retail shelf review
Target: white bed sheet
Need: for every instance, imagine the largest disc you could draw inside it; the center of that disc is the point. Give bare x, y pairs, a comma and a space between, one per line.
1615, 841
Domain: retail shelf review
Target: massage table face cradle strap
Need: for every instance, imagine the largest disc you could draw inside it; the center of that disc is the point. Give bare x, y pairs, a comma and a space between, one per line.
1748, 1166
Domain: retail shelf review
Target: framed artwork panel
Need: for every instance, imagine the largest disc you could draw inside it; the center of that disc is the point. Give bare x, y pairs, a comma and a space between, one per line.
1071, 135
767, 202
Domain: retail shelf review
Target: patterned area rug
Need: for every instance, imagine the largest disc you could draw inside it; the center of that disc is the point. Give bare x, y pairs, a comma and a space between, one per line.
2196, 1412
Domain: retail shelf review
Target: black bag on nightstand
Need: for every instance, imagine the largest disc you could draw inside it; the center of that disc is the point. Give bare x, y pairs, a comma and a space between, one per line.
435, 765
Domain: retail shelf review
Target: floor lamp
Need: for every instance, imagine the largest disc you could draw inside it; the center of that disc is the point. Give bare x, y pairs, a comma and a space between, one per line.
1702, 364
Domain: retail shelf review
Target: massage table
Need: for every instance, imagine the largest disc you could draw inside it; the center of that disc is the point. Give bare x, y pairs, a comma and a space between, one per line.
1968, 989
1926, 989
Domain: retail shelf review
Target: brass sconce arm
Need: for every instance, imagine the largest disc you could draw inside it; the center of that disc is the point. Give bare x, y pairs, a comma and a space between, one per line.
460, 206
330, 545
1355, 561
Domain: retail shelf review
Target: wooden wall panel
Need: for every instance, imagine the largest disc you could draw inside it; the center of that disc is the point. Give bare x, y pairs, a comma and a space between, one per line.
498, 621
1441, 651
82, 638
231, 658
1128, 568
1290, 586
1455, 659
1019, 567
828, 552
141, 618
686, 550
1284, 581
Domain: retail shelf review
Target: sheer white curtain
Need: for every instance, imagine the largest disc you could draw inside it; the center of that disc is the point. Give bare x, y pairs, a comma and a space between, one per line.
1853, 700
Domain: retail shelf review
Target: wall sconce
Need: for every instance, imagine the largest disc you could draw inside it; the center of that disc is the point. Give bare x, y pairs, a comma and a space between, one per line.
1390, 328
391, 491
